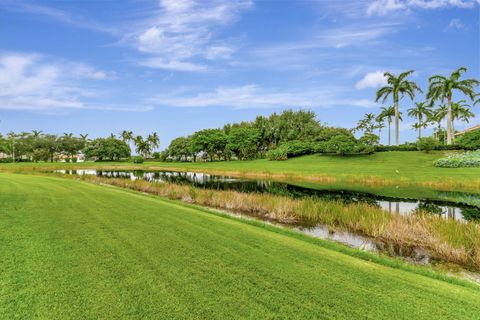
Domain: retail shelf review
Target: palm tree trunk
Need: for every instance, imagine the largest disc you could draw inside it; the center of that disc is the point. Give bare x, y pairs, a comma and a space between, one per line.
397, 123
449, 122
390, 132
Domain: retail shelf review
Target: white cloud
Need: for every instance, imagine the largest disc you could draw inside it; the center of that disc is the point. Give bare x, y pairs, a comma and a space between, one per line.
30, 82
372, 80
253, 96
55, 14
183, 32
456, 24
382, 7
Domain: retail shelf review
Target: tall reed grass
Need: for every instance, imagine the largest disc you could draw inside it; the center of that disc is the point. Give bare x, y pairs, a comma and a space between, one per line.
448, 240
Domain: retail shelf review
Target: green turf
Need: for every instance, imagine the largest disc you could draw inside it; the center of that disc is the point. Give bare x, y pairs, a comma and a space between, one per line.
70, 249
412, 167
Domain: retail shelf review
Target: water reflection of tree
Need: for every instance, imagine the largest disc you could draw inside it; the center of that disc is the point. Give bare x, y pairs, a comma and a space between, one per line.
429, 207
471, 214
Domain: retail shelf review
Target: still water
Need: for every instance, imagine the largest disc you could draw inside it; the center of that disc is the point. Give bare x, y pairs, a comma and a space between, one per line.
403, 206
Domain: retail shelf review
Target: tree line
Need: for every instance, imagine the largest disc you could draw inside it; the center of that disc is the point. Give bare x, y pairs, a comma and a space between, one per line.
38, 146
289, 133
437, 106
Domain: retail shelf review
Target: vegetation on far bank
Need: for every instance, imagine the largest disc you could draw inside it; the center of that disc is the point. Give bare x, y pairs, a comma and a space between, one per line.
97, 252
380, 169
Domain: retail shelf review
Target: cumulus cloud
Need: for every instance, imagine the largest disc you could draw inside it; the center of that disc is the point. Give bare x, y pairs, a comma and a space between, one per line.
253, 96
372, 80
31, 82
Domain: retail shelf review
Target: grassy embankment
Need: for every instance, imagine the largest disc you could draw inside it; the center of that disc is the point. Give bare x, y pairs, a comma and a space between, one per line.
378, 170
77, 250
446, 239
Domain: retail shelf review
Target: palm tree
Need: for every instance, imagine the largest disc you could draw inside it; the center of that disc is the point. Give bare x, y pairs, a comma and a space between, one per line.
437, 116
36, 133
442, 88
127, 136
84, 137
478, 100
421, 110
388, 114
461, 111
366, 124
397, 87
153, 140
142, 146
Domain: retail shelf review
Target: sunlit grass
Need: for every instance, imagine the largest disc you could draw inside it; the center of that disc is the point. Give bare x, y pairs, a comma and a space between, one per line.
447, 239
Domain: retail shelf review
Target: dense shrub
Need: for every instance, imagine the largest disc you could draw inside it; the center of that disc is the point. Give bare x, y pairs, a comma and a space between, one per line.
67, 159
74, 159
137, 159
470, 140
340, 144
277, 154
426, 144
460, 160
414, 147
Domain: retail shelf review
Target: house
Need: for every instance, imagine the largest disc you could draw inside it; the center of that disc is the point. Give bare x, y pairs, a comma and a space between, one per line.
461, 133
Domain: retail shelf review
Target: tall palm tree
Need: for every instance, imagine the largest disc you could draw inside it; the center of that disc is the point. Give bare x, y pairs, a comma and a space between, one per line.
437, 116
461, 111
388, 113
397, 87
84, 137
127, 136
442, 88
420, 111
154, 140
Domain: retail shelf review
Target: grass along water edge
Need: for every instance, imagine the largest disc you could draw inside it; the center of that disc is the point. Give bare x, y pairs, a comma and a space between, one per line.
445, 239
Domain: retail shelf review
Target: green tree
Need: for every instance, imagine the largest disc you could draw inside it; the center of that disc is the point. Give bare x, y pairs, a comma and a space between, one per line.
212, 142
107, 149
154, 140
397, 87
367, 124
180, 148
421, 112
461, 111
70, 145
442, 88
142, 146
243, 142
388, 113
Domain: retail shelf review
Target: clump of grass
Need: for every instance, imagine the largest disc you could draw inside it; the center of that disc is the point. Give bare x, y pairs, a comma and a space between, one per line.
448, 240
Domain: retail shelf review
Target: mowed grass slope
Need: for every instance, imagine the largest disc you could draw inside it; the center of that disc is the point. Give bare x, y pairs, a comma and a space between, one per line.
70, 249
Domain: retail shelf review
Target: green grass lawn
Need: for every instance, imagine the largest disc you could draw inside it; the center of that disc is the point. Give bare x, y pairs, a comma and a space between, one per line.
70, 249
414, 167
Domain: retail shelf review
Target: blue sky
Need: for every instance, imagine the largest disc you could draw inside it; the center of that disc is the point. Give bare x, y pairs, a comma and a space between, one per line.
176, 66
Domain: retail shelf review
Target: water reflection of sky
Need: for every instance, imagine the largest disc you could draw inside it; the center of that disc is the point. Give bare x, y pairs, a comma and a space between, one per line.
450, 209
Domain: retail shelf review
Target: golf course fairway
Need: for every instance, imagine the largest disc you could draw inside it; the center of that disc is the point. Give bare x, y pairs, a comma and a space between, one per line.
74, 250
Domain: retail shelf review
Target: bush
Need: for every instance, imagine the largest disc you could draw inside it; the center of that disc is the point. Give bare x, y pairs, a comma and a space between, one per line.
74, 159
67, 159
278, 154
414, 147
426, 144
460, 160
137, 159
470, 140
340, 145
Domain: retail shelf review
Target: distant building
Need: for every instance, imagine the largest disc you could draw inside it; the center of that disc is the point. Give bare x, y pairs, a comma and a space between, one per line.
461, 133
